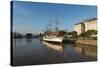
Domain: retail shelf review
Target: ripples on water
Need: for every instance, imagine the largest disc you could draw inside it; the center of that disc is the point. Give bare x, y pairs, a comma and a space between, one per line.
33, 51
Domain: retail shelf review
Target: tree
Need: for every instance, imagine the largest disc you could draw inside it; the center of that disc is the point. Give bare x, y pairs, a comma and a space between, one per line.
83, 34
88, 33
17, 35
73, 33
29, 35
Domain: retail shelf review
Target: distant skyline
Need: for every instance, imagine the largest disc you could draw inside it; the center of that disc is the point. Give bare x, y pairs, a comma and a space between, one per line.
32, 17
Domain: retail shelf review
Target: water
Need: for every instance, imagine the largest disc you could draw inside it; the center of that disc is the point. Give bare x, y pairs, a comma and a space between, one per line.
33, 51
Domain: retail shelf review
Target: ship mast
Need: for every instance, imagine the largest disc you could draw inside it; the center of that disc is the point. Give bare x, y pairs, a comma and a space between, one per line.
49, 25
57, 22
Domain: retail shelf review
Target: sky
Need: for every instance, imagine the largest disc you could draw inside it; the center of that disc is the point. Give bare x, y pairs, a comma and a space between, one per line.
33, 17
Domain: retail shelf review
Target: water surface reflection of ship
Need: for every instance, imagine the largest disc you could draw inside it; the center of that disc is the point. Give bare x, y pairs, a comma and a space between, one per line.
58, 50
54, 46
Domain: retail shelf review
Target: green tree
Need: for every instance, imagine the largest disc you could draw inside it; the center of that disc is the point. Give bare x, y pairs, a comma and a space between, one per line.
29, 35
88, 33
73, 33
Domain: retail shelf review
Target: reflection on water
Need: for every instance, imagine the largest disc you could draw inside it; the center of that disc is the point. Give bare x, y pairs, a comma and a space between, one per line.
29, 40
34, 51
54, 46
87, 50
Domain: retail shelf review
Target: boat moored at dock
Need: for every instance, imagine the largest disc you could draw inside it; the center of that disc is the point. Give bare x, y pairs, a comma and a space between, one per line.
53, 39
54, 35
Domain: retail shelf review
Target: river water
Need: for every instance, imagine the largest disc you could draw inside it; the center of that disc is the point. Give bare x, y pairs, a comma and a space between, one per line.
33, 52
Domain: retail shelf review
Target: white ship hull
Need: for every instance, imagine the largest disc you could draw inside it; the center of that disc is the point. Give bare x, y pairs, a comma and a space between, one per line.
53, 39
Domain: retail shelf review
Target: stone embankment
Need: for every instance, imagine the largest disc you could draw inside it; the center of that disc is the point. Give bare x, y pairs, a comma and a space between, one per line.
87, 42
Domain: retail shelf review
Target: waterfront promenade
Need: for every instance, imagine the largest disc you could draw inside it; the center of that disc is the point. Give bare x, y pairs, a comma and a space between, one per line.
86, 42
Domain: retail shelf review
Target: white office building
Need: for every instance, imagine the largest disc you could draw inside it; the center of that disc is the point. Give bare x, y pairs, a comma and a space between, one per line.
89, 24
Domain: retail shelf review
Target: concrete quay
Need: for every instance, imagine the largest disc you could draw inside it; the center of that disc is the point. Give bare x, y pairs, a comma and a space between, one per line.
86, 42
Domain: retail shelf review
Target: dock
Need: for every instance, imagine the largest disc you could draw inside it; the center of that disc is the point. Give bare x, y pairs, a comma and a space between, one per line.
87, 42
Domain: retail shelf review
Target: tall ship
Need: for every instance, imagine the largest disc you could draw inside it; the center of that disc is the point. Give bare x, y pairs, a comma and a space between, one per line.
55, 35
